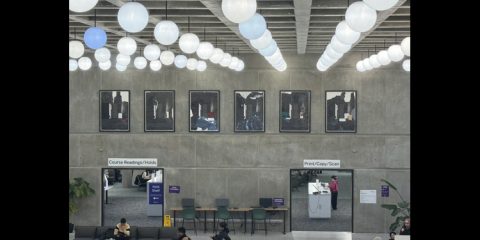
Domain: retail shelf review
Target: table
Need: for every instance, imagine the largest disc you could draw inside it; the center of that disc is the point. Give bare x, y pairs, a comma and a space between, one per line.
244, 210
205, 210
279, 209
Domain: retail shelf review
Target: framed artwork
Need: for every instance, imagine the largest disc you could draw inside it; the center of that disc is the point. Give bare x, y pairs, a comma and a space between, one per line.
204, 111
249, 111
341, 111
294, 111
114, 110
159, 111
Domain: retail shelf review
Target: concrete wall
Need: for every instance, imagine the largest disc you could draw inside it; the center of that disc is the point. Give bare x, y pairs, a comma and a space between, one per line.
243, 166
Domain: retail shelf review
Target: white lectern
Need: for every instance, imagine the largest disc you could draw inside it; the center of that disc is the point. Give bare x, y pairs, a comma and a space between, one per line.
319, 200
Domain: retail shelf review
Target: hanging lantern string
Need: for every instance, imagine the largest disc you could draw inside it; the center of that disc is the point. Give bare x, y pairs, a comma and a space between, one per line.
204, 37
188, 24
216, 40
385, 43
95, 18
166, 10
75, 33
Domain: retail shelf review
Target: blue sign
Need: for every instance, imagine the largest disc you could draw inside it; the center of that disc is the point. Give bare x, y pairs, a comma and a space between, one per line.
385, 191
155, 193
278, 202
174, 189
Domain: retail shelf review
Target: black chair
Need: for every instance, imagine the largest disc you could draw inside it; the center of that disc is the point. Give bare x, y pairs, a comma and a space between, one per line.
147, 233
85, 232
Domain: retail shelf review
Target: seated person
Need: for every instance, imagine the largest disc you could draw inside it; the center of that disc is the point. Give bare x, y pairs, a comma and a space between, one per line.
122, 230
223, 234
146, 175
405, 230
181, 234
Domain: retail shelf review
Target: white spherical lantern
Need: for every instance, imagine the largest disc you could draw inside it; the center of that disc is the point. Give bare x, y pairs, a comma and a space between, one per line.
329, 59
217, 55
339, 46
102, 55
360, 66
226, 60
123, 59
120, 67
254, 27
325, 61
332, 53
263, 41
132, 17
406, 65
205, 50
282, 68
192, 64
201, 66
406, 46
151, 52
383, 58
180, 61
321, 67
155, 65
167, 57
188, 43
366, 64
95, 37
75, 49
360, 17
127, 46
166, 32
374, 61
268, 51
84, 63
240, 66
105, 65
81, 5
140, 62
72, 65
234, 63
380, 5
239, 11
345, 34
395, 53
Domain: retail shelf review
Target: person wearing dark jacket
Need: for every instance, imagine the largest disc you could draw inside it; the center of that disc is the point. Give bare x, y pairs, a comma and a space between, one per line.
405, 230
223, 234
181, 234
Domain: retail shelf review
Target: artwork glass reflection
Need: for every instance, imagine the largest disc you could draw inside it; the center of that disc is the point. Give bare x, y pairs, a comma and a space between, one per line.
295, 111
249, 111
341, 111
115, 110
204, 111
159, 111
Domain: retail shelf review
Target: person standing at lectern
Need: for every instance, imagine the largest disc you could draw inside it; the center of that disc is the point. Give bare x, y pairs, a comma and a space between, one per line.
333, 185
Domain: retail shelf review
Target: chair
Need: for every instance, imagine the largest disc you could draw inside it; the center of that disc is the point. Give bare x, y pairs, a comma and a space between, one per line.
147, 233
223, 213
85, 232
188, 213
259, 214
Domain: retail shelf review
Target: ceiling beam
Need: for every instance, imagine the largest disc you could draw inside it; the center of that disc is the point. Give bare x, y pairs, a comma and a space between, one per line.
302, 23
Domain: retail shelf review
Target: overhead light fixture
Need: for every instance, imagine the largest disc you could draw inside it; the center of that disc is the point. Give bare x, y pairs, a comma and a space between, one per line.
263, 41
180, 61
75, 49
226, 60
406, 46
192, 64
120, 67
240, 66
367, 65
239, 11
189, 43
127, 46
133, 17
102, 55
380, 5
374, 61
270, 50
140, 62
234, 63
254, 27
360, 17
72, 65
95, 37
167, 57
166, 32
205, 50
84, 63
339, 46
123, 59
383, 58
217, 55
201, 66
105, 65
155, 65
151, 52
406, 65
345, 34
360, 66
395, 53
81, 5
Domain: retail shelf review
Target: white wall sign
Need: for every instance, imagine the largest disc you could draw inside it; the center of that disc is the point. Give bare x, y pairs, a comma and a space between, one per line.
368, 196
132, 162
321, 163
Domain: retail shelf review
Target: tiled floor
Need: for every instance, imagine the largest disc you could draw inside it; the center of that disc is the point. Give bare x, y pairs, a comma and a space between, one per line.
296, 235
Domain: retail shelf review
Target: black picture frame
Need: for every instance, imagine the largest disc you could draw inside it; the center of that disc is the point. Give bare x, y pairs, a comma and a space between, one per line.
337, 103
295, 111
204, 111
159, 111
114, 110
249, 111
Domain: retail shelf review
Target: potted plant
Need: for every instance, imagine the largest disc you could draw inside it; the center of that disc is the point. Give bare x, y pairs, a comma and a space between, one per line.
401, 210
78, 189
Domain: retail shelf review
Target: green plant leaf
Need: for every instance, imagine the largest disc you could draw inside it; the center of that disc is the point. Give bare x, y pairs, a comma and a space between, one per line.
403, 204
389, 206
389, 184
396, 211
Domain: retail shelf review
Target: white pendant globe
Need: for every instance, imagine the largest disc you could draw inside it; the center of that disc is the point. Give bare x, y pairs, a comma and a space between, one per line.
333, 57
345, 34
234, 63
380, 5
360, 17
102, 55
72, 65
383, 58
132, 17
226, 60
332, 53
120, 67
75, 49
275, 56
81, 5
217, 55
166, 32
360, 66
367, 65
339, 46
167, 57
374, 61
123, 59
192, 64
325, 61
127, 46
201, 66
151, 52
84, 63
329, 59
240, 66
254, 27
180, 61
239, 11
95, 37
263, 41
406, 65
270, 50
188, 43
140, 63
155, 65
105, 65
205, 50
282, 68
321, 67
406, 46
395, 53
